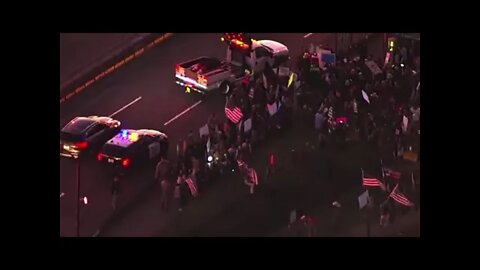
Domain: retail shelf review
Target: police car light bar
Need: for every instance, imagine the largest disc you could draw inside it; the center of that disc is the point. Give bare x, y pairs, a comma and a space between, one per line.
131, 137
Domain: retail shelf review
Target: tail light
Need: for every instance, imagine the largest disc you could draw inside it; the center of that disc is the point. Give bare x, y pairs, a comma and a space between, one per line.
202, 79
81, 145
179, 70
126, 162
99, 156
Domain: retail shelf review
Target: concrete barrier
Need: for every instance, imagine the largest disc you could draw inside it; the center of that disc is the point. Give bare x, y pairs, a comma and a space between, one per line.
108, 63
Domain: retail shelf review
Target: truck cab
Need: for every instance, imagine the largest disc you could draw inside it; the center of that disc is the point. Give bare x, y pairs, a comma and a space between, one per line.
257, 55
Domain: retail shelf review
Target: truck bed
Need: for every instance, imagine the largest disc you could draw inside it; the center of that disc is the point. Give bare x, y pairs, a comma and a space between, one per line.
207, 64
206, 73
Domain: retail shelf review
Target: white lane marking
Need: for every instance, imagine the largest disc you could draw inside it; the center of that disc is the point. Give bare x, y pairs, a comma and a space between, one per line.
182, 113
124, 107
307, 35
62, 194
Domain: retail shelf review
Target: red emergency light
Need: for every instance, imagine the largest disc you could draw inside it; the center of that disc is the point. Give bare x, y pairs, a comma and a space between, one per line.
235, 39
239, 44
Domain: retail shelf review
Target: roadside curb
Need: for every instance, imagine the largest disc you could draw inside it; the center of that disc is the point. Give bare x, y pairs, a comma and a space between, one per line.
108, 64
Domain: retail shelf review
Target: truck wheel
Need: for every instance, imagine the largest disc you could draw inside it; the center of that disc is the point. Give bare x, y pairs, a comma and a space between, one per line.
225, 88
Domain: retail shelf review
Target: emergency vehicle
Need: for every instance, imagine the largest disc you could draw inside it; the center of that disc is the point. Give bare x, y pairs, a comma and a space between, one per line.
84, 133
205, 74
132, 148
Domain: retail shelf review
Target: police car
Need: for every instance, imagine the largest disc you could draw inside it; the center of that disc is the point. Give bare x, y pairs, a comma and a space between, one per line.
83, 133
131, 148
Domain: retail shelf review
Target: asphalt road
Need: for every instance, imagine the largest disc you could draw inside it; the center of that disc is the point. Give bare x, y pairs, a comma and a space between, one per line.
150, 77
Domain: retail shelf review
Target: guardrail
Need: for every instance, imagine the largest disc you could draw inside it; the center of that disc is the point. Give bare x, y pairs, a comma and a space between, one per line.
77, 85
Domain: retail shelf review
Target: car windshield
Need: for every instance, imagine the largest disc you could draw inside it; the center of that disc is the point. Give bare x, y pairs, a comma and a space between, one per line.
113, 150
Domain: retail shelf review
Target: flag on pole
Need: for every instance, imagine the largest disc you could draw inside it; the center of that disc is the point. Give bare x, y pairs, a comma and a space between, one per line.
391, 173
192, 187
399, 197
371, 181
234, 114
330, 112
253, 176
240, 163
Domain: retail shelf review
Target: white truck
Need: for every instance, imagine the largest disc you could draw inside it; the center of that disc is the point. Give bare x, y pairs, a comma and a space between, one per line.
205, 74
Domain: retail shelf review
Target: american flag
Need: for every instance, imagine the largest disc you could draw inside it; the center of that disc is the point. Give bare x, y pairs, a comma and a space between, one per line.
253, 176
240, 163
234, 114
391, 173
399, 197
330, 112
192, 187
371, 182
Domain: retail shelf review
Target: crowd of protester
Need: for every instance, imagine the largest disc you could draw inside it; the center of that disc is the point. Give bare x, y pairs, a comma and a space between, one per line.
352, 103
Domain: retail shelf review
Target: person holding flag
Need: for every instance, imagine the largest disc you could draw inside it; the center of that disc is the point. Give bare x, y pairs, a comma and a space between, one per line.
395, 175
232, 111
192, 186
249, 174
368, 181
399, 197
384, 213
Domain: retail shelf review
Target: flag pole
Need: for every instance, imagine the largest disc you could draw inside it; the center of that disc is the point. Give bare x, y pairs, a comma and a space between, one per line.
367, 219
414, 193
383, 173
384, 182
413, 183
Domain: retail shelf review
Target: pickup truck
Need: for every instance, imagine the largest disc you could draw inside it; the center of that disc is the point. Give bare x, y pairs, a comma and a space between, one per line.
205, 74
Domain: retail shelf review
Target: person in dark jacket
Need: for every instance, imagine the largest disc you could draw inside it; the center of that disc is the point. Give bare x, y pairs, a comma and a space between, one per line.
115, 191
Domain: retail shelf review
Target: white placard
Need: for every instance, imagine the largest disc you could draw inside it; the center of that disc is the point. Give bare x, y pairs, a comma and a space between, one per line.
404, 124
204, 131
272, 109
247, 125
365, 96
373, 67
363, 199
